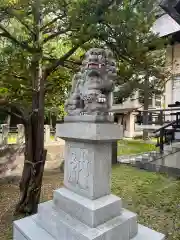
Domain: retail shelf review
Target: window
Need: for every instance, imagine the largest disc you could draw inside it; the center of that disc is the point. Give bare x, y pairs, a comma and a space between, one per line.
176, 81
141, 101
158, 97
158, 100
118, 100
150, 102
158, 103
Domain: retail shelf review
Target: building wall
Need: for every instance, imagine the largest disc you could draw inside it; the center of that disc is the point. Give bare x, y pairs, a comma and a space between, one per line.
128, 120
172, 88
172, 91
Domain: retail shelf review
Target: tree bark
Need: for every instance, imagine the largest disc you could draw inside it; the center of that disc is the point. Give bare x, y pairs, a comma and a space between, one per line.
31, 181
35, 154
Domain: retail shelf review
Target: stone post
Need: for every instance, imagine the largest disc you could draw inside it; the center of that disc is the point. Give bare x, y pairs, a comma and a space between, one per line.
5, 131
47, 133
20, 137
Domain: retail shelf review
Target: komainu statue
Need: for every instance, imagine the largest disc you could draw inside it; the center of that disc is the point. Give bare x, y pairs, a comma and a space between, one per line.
93, 85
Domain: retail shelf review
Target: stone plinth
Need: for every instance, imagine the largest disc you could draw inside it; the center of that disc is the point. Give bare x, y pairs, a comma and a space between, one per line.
85, 209
5, 131
47, 134
20, 137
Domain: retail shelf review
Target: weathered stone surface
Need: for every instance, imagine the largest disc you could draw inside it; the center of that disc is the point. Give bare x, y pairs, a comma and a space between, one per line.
92, 213
12, 163
28, 229
145, 233
89, 118
88, 168
61, 224
85, 131
93, 85
20, 137
47, 133
4, 136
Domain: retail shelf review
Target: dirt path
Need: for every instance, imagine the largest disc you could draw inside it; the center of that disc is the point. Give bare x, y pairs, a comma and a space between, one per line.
9, 194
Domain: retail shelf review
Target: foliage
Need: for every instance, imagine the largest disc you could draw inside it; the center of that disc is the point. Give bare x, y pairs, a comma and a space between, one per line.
123, 27
129, 147
129, 36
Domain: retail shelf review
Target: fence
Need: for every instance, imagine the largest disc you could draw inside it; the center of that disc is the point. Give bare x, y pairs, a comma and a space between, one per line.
15, 135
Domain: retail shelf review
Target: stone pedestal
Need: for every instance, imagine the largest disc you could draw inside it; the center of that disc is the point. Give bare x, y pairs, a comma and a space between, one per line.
47, 134
5, 132
85, 209
20, 137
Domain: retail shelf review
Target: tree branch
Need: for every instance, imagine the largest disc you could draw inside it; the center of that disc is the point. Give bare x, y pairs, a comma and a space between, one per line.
13, 14
23, 45
50, 23
52, 60
60, 61
54, 35
7, 108
19, 77
76, 62
3, 109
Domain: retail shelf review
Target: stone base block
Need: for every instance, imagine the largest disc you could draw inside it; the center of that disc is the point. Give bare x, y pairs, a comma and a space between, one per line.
86, 131
145, 233
28, 229
89, 212
63, 226
89, 118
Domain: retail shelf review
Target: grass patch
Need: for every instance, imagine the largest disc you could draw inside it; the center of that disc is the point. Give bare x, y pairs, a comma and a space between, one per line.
128, 147
12, 138
154, 197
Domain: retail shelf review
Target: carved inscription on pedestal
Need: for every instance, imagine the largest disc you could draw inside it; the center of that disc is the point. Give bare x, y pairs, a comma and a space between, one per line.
79, 168
83, 169
73, 169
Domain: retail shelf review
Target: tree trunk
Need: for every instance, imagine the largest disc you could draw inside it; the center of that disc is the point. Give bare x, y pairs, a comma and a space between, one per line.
31, 181
35, 154
146, 106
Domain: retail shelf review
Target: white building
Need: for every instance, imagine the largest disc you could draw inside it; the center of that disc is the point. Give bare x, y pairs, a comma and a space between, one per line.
125, 112
166, 26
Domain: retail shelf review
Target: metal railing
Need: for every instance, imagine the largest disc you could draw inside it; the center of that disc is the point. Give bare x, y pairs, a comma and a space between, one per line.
167, 128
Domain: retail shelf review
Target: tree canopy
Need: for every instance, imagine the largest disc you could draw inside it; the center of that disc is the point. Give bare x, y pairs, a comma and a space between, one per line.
122, 26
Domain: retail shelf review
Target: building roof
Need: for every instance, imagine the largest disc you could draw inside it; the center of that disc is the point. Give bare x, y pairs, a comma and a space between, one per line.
165, 25
158, 10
